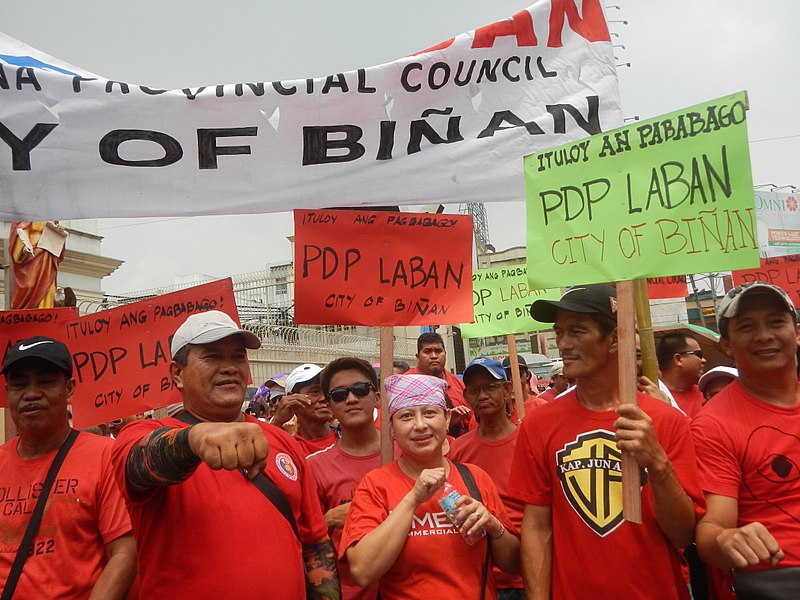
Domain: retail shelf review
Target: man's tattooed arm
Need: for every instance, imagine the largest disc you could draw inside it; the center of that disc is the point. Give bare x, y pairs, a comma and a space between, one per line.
321, 573
162, 458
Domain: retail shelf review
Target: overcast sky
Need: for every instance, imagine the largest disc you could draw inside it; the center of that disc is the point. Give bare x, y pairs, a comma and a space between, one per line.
681, 52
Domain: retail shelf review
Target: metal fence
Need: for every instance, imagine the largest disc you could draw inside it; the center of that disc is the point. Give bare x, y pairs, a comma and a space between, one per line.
265, 303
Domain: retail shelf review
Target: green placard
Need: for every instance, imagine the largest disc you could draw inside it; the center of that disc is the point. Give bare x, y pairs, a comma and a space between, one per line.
667, 196
502, 299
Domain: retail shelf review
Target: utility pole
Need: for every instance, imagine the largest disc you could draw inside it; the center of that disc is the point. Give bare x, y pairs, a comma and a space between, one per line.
697, 301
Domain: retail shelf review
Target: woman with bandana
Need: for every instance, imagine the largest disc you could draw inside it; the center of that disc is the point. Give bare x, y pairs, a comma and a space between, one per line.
397, 532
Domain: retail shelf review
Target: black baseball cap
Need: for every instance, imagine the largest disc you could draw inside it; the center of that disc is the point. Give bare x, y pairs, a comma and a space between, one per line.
597, 298
520, 360
39, 346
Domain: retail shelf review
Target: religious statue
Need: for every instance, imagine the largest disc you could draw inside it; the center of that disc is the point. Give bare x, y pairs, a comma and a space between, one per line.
36, 249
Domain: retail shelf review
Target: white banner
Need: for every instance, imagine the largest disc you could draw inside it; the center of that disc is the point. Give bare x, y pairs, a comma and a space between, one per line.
450, 124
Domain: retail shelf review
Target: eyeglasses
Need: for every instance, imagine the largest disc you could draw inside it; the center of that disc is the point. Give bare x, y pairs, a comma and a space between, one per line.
489, 388
360, 389
697, 353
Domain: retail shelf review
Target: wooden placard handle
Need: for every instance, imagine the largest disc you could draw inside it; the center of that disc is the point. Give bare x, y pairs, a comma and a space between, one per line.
386, 360
626, 347
519, 401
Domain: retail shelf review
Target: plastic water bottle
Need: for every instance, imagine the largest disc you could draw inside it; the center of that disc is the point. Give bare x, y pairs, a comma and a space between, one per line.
447, 496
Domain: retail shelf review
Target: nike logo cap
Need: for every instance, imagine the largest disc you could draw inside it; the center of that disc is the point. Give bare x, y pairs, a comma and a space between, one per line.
42, 347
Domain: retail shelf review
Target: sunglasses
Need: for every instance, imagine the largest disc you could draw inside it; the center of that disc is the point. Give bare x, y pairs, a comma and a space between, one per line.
697, 353
360, 389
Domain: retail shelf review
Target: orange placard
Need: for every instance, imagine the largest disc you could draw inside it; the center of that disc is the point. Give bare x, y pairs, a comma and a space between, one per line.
660, 288
121, 356
382, 268
18, 325
783, 271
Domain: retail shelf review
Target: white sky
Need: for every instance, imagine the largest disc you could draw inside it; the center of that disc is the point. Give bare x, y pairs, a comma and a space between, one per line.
681, 52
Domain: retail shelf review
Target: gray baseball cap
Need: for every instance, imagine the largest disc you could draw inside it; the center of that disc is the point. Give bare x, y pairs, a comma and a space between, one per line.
729, 305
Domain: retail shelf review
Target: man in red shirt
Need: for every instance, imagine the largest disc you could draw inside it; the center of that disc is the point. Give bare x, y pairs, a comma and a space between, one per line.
531, 399
681, 362
567, 470
748, 447
491, 447
431, 360
351, 386
187, 483
84, 545
558, 383
305, 399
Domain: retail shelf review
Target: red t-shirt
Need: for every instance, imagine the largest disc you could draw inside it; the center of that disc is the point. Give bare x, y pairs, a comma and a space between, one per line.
308, 447
84, 513
455, 391
435, 561
337, 475
567, 458
689, 400
750, 450
530, 404
215, 535
548, 395
494, 457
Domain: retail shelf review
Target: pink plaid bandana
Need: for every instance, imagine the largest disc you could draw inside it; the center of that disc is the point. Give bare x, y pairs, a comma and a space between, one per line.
414, 390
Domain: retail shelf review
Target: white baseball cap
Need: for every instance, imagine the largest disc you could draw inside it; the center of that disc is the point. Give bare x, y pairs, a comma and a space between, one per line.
207, 327
302, 374
714, 374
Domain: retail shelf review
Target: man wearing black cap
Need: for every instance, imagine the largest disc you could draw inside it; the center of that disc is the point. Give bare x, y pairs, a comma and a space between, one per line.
83, 544
567, 467
530, 399
191, 490
748, 447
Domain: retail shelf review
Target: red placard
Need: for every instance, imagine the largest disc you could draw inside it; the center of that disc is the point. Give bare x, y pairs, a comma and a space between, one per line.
783, 271
382, 268
660, 288
18, 325
121, 356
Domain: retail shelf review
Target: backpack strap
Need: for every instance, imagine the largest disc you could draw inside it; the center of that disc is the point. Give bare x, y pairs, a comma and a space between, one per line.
263, 483
36, 518
473, 490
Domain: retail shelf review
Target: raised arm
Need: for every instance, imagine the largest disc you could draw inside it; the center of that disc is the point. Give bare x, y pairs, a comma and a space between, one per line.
168, 456
375, 553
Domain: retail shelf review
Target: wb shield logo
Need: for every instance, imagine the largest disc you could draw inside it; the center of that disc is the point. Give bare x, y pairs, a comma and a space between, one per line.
591, 476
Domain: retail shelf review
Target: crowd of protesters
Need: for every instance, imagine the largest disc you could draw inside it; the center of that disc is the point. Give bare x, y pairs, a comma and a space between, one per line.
289, 499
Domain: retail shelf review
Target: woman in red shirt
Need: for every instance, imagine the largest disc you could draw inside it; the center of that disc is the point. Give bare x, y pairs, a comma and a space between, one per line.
397, 533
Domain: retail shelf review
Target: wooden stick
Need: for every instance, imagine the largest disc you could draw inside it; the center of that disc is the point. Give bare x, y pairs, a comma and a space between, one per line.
513, 363
626, 348
387, 358
647, 342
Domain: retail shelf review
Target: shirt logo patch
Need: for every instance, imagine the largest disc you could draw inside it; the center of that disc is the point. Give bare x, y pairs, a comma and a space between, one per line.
286, 465
590, 471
